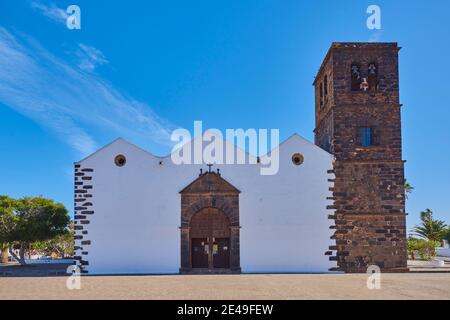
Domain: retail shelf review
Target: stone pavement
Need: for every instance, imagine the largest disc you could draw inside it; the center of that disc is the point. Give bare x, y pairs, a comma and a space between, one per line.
222, 287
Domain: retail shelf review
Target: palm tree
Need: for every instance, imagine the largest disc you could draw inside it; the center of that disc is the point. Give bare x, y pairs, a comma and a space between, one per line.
447, 234
430, 228
408, 188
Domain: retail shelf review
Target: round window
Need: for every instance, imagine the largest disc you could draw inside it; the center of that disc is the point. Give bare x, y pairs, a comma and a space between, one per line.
120, 160
297, 159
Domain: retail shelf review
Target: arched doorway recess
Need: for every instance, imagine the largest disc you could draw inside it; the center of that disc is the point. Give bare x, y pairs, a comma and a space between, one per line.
210, 226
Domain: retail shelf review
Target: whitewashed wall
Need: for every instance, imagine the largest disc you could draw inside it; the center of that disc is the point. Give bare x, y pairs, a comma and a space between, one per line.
135, 228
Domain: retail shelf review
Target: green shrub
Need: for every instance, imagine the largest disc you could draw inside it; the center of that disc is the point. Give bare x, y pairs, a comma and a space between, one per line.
426, 249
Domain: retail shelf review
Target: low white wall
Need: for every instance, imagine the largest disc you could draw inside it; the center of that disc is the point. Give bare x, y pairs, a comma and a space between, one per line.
443, 252
49, 261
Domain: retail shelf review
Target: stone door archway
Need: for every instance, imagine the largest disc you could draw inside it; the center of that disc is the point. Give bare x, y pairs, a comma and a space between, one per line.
210, 226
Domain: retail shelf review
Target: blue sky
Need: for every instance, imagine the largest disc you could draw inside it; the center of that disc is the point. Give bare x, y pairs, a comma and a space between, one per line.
138, 69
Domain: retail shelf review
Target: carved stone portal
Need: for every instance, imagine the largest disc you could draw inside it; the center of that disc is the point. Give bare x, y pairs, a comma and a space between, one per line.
210, 226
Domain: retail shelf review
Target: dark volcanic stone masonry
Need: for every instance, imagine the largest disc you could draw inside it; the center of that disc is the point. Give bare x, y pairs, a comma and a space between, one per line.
358, 121
83, 205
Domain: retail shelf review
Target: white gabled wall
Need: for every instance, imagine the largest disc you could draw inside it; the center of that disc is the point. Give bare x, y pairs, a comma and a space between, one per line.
135, 225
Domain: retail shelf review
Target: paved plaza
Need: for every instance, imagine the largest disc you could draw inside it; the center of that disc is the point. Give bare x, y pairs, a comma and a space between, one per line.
223, 287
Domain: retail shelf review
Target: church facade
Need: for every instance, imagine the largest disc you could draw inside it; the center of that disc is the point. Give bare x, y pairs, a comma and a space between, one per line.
334, 205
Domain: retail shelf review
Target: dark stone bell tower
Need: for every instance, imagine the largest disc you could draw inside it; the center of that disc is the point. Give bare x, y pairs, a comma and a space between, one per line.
358, 121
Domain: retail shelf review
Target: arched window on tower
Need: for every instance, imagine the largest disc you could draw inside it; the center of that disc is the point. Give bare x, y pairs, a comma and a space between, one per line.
325, 85
356, 77
321, 94
372, 71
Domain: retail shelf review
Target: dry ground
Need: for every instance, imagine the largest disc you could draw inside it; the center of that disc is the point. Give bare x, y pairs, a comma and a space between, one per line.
246, 286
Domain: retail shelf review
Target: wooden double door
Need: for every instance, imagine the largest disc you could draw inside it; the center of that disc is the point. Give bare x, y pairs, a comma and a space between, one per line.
210, 253
210, 239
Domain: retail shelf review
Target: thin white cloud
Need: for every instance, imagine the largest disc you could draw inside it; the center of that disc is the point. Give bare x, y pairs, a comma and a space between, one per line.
51, 11
90, 57
71, 102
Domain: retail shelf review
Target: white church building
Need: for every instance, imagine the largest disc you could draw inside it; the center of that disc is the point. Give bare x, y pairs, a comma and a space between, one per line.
338, 204
136, 213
